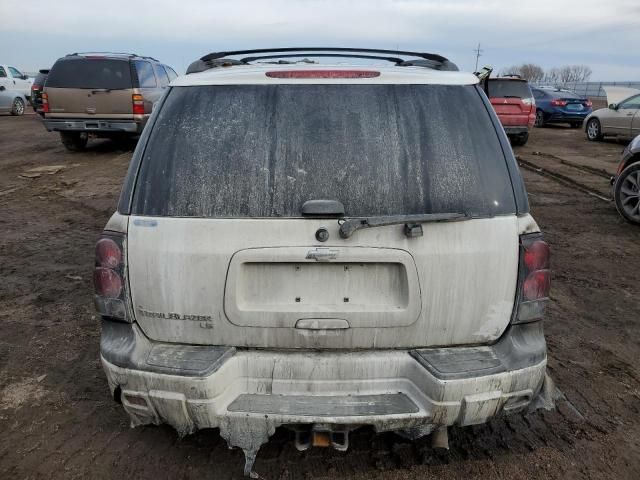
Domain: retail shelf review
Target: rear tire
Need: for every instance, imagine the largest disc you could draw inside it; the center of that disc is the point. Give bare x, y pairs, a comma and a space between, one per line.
539, 118
519, 140
74, 141
626, 193
17, 109
594, 130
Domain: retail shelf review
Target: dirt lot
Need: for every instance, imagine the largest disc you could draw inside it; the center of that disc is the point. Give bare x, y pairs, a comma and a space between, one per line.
58, 421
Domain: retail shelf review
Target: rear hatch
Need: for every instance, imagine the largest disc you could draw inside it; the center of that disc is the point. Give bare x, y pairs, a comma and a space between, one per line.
90, 87
512, 100
220, 253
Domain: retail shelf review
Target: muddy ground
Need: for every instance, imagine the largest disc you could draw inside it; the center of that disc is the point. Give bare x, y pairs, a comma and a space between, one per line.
57, 419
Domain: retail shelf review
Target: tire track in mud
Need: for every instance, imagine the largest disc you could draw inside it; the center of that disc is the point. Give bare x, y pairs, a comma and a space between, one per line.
563, 179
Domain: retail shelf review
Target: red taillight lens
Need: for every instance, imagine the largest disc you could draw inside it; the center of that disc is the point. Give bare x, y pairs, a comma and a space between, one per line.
558, 103
588, 103
108, 253
107, 282
323, 74
536, 285
536, 256
138, 104
109, 279
535, 277
45, 103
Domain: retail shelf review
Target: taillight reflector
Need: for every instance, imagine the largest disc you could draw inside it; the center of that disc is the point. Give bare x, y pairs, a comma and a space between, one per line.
107, 282
45, 103
323, 74
588, 103
536, 256
536, 285
138, 104
558, 103
108, 253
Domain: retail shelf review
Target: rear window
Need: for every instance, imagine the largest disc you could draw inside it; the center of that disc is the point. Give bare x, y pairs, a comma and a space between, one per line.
563, 94
90, 73
263, 150
508, 89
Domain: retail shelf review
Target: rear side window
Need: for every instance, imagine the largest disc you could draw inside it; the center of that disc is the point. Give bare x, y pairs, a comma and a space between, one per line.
2, 72
161, 75
172, 74
263, 150
508, 89
90, 73
146, 79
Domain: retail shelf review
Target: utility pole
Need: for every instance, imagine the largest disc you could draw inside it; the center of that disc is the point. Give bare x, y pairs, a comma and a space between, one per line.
478, 51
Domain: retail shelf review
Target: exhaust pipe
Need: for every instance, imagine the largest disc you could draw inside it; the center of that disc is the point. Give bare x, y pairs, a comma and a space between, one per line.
440, 439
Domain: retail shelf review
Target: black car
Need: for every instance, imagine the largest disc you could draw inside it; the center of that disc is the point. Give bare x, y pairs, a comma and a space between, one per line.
626, 183
36, 91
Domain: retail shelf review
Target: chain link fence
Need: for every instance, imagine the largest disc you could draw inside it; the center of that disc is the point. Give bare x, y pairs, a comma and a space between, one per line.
592, 89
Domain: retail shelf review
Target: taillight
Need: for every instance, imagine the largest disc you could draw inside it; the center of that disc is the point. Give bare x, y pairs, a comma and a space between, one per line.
558, 103
535, 279
138, 104
109, 277
588, 103
528, 101
45, 103
323, 74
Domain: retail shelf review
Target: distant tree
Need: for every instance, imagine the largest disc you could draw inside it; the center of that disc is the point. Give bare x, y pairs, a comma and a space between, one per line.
529, 71
536, 74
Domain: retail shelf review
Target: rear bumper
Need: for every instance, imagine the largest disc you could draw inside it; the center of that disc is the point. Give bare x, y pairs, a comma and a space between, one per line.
88, 125
240, 391
559, 116
520, 130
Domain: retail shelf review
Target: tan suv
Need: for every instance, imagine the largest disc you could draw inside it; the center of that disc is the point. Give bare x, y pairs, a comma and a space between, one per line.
102, 94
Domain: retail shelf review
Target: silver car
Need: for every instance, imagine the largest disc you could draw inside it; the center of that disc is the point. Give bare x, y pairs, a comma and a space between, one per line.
621, 120
11, 101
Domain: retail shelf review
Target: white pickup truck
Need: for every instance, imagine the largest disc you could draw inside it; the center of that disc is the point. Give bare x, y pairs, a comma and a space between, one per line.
13, 79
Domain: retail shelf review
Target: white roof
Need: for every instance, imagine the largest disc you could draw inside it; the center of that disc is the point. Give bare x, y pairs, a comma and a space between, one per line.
255, 74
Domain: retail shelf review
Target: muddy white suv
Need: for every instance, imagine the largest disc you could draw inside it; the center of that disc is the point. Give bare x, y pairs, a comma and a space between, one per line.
323, 247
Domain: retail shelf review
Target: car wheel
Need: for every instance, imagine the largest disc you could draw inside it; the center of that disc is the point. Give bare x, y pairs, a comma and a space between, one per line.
594, 131
539, 118
17, 107
626, 193
519, 140
74, 141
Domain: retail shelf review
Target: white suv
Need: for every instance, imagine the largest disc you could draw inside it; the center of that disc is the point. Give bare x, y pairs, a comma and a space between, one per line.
323, 247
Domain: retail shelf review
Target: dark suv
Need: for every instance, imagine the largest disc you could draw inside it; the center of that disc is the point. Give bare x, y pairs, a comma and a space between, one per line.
102, 94
36, 91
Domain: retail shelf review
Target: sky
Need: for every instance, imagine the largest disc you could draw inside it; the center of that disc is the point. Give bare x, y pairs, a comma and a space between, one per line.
603, 34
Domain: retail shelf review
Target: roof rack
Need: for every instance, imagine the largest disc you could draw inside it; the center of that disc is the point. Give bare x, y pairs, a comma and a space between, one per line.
113, 54
219, 59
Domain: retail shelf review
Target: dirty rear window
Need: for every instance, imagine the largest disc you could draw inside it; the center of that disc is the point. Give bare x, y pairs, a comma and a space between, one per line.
90, 73
508, 89
263, 150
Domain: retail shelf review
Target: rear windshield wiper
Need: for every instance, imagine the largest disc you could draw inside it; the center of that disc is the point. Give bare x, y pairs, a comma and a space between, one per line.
412, 228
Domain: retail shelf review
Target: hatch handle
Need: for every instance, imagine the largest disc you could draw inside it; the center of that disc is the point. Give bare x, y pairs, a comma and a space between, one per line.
322, 208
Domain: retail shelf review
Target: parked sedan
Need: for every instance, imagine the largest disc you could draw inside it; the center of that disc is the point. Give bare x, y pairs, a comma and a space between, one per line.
560, 106
626, 183
621, 120
12, 101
